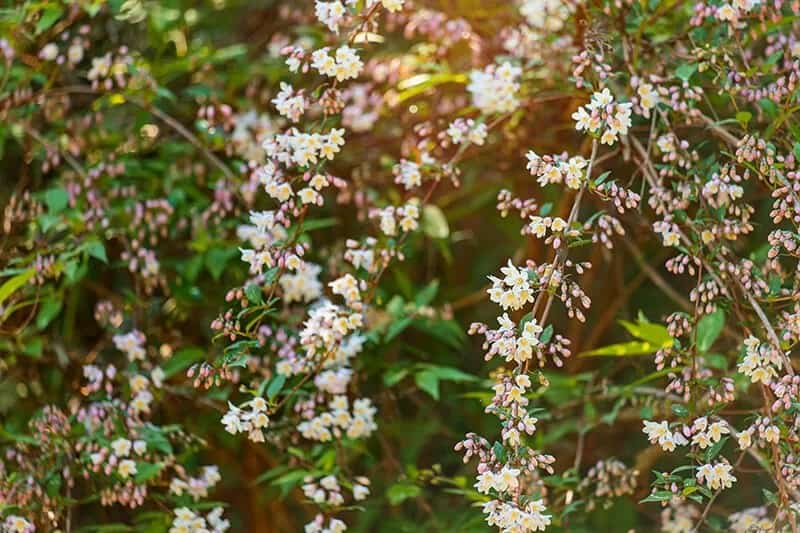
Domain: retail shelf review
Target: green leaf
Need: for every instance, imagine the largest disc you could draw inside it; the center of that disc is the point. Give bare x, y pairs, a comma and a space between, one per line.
434, 223
400, 492
393, 376
624, 349
647, 331
447, 373
49, 17
217, 258
658, 496
147, 471
275, 386
156, 439
181, 360
429, 382
709, 328
56, 200
547, 334
253, 293
318, 223
396, 327
685, 71
714, 450
499, 451
10, 286
34, 347
97, 250
426, 295
48, 311
743, 118
602, 177
680, 410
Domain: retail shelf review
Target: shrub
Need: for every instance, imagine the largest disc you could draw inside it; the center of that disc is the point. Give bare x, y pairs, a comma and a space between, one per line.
243, 246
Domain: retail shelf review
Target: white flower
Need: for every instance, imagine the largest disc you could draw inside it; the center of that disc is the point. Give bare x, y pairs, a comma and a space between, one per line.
288, 104
17, 524
393, 5
726, 12
126, 469
121, 447
717, 476
494, 88
408, 174
49, 52
75, 54
360, 492
330, 13
343, 66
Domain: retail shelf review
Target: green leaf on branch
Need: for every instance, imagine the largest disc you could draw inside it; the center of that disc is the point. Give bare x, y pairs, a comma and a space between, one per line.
400, 492
624, 349
429, 382
709, 328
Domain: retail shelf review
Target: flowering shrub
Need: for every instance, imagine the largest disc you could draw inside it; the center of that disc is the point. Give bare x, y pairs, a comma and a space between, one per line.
243, 245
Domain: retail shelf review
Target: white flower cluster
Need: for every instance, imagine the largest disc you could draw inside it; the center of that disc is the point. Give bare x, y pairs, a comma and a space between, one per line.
327, 325
539, 226
601, 113
571, 171
518, 349
749, 520
51, 52
507, 480
329, 490
334, 381
303, 285
262, 234
732, 12
391, 5
122, 447
494, 89
362, 256
660, 433
512, 519
132, 344
705, 434
720, 191
318, 525
761, 361
548, 15
343, 65
768, 433
289, 104
701, 432
463, 131
302, 149
188, 521
250, 417
407, 214
348, 287
408, 174
196, 487
647, 97
339, 420
717, 476
250, 130
512, 291
669, 232
17, 524
330, 13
